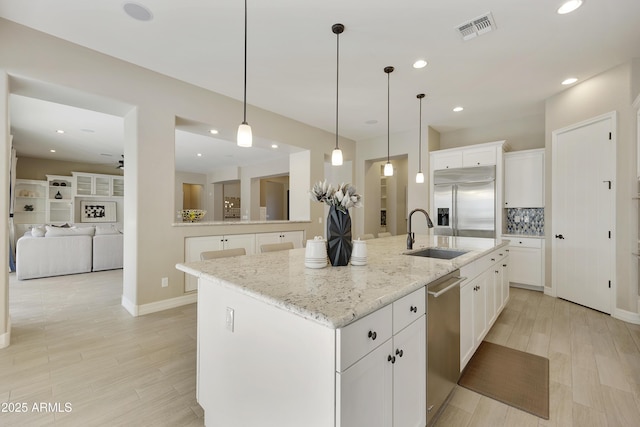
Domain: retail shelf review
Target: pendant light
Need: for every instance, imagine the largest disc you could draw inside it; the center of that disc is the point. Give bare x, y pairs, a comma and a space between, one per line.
336, 155
388, 167
420, 175
245, 139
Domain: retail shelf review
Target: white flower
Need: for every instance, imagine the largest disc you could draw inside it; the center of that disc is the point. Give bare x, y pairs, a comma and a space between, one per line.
343, 198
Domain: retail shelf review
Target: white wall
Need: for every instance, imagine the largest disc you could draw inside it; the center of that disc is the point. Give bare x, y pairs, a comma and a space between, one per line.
5, 331
152, 244
606, 92
522, 134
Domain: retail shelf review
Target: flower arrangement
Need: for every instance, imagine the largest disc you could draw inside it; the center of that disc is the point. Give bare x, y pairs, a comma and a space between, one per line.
343, 197
192, 215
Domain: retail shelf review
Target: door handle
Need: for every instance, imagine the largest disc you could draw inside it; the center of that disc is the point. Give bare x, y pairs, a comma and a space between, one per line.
559, 236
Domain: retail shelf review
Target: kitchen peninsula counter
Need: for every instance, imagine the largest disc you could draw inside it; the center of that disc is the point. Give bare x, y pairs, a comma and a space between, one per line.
283, 345
337, 296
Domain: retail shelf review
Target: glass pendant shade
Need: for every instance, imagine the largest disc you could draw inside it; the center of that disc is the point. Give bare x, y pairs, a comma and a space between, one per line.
336, 157
388, 169
419, 178
245, 139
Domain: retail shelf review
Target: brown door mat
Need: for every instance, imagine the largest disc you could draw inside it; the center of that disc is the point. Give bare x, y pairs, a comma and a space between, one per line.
510, 376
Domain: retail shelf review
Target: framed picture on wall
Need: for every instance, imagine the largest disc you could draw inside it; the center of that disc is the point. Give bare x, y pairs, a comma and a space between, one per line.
95, 211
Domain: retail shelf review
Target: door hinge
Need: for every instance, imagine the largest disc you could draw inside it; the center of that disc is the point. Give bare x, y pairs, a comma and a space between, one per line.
609, 234
609, 284
609, 136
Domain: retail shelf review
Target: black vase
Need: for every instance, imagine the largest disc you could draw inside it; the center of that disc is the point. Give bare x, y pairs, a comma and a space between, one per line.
339, 237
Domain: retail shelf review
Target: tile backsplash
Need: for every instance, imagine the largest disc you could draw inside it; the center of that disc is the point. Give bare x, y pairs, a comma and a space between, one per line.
528, 221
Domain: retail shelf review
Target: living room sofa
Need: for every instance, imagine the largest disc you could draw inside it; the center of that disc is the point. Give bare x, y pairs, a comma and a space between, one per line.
54, 251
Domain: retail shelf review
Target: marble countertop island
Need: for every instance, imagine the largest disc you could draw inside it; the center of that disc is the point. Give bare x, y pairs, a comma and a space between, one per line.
337, 296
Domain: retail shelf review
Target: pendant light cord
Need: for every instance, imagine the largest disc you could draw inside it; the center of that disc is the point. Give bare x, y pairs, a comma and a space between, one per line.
244, 122
420, 139
388, 115
337, 81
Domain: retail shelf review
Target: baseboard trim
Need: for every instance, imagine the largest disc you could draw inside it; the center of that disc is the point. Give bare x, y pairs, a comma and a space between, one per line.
154, 307
626, 316
527, 287
5, 339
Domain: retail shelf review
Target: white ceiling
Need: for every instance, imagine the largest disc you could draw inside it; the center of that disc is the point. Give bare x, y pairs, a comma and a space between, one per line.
503, 75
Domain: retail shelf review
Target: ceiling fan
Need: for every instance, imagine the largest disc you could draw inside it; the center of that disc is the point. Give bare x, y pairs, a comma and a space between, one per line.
121, 163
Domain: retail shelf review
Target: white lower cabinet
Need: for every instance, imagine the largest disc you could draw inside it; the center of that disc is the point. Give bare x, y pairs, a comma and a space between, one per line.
386, 386
526, 256
294, 237
195, 245
483, 296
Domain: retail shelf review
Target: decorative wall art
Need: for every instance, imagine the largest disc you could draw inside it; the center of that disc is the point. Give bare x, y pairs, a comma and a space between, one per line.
94, 211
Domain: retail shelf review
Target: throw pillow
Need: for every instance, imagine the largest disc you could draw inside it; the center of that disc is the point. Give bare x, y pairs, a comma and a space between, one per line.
38, 231
106, 229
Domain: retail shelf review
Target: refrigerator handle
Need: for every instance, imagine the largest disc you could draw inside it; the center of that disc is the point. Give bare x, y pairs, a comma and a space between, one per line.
454, 210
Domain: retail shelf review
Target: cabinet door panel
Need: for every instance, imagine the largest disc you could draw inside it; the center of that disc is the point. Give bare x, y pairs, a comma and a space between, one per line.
525, 266
480, 307
246, 241
365, 391
467, 338
447, 160
479, 157
409, 375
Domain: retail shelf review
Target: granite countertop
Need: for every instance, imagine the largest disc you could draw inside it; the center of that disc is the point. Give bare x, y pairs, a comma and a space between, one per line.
337, 296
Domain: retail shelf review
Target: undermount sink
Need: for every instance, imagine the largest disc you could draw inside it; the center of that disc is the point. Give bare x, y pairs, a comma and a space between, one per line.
437, 253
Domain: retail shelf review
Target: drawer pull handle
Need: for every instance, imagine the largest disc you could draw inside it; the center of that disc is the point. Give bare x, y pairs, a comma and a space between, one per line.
399, 352
504, 265
413, 308
493, 259
391, 359
373, 335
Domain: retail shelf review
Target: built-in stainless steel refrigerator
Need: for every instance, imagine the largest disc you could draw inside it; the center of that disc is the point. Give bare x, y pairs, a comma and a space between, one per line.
464, 201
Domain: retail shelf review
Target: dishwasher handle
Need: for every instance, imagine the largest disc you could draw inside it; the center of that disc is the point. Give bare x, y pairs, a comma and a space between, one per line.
457, 281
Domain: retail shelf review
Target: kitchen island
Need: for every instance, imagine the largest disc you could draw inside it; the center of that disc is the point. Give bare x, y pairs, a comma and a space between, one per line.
276, 340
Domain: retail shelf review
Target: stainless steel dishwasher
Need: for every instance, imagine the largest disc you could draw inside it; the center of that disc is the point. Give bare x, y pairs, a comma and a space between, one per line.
443, 340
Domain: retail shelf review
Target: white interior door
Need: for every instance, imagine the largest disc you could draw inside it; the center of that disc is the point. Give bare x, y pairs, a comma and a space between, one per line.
583, 212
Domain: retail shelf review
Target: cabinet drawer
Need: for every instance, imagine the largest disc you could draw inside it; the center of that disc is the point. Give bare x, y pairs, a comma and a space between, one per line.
524, 242
482, 264
362, 336
408, 308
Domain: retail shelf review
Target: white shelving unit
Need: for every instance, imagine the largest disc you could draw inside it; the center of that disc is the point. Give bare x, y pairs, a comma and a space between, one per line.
29, 206
59, 199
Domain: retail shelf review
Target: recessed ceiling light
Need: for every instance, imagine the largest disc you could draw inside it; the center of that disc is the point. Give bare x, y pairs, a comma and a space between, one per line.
60, 131
458, 109
274, 145
52, 151
569, 81
569, 6
371, 122
213, 131
199, 154
420, 63
137, 11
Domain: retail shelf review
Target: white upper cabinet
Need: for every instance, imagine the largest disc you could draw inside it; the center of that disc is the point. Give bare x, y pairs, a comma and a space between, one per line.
446, 160
482, 156
92, 184
524, 179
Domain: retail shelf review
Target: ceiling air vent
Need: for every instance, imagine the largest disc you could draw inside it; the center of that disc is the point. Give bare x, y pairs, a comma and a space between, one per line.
476, 27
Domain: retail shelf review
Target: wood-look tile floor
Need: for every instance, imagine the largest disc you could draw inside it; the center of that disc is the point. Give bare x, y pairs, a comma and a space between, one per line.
594, 367
72, 342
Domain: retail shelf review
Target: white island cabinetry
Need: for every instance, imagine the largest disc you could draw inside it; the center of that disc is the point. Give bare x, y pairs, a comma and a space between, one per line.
334, 347
483, 296
381, 367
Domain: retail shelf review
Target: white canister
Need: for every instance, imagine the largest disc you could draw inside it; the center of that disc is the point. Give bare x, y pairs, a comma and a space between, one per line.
359, 252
